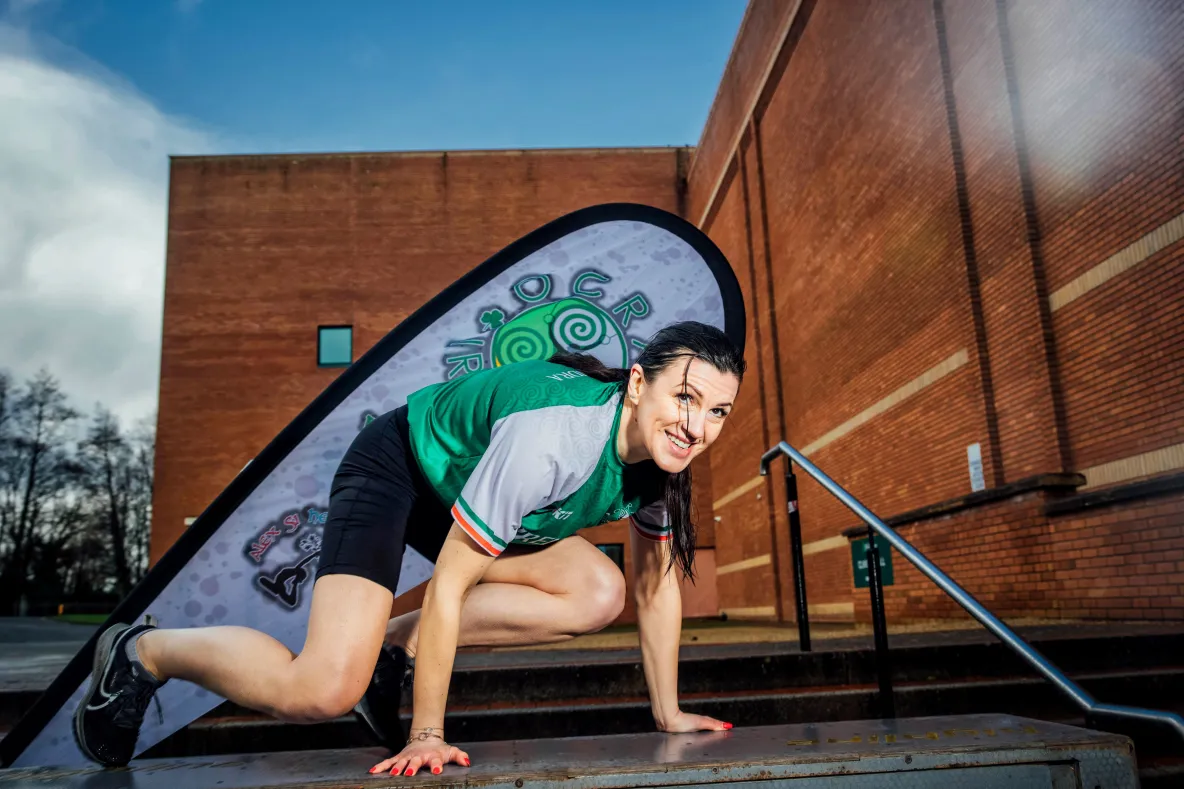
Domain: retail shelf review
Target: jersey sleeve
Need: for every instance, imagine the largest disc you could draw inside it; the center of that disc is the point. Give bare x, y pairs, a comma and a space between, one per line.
651, 522
515, 476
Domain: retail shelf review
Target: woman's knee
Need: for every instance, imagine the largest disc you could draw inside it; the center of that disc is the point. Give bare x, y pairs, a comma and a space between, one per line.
603, 597
319, 693
345, 631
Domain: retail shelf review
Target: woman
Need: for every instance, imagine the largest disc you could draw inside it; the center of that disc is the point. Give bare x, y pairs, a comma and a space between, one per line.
522, 455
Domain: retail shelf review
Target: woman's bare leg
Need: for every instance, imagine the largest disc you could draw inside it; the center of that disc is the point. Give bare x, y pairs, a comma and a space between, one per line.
345, 632
533, 597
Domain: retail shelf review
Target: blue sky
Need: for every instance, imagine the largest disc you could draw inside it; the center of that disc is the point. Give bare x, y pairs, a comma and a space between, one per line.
283, 75
95, 95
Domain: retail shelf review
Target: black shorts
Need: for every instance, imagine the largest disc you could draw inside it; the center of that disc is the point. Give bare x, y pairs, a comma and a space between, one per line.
379, 503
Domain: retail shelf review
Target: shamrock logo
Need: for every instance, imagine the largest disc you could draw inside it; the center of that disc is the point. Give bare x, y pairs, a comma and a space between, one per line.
492, 319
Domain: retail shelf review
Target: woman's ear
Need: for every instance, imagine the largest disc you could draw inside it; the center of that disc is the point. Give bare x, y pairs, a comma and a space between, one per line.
636, 384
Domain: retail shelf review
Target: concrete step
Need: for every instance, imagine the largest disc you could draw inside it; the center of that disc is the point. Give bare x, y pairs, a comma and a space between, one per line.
971, 752
1030, 697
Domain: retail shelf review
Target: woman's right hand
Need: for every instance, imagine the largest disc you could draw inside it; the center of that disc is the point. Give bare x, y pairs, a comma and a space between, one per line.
433, 754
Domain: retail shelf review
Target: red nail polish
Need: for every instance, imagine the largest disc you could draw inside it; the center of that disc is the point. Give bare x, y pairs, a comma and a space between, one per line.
408, 772
436, 771
727, 725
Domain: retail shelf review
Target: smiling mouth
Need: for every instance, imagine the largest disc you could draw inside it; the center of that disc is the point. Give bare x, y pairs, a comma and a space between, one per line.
678, 442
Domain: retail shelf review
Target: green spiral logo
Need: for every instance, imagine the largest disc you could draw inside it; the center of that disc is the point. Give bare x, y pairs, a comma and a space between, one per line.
578, 328
520, 343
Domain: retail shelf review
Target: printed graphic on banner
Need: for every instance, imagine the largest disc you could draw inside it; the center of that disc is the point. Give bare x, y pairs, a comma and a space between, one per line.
575, 323
282, 581
599, 281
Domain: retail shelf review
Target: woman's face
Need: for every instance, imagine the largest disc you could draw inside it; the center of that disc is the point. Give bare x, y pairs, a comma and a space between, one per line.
680, 413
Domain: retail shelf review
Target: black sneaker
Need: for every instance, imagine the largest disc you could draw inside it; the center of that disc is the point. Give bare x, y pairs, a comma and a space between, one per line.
107, 721
378, 710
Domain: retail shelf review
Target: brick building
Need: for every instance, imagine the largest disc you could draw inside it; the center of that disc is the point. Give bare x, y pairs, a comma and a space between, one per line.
959, 229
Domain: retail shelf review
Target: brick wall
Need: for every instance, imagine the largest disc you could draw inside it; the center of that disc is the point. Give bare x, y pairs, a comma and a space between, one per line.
1002, 553
956, 222
1103, 107
263, 249
743, 529
1122, 562
758, 40
1109, 563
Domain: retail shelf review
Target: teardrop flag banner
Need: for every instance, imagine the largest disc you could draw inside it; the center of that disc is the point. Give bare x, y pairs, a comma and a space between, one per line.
601, 280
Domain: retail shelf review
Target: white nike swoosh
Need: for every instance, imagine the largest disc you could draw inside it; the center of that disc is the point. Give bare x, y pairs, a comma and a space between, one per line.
109, 697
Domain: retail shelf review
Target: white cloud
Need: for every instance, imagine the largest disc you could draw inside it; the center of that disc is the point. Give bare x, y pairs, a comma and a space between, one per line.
19, 8
83, 215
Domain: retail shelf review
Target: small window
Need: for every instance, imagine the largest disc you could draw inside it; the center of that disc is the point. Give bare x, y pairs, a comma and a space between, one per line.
335, 346
616, 552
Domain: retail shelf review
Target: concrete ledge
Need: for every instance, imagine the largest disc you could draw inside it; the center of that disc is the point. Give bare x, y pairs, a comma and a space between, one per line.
1121, 494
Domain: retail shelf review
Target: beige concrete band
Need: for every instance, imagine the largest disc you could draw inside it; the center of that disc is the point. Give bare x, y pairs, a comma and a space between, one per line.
753, 611
926, 379
736, 493
1145, 465
831, 609
1123, 260
829, 544
744, 564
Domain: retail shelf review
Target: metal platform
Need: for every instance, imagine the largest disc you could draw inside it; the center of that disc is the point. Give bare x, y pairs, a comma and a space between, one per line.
962, 751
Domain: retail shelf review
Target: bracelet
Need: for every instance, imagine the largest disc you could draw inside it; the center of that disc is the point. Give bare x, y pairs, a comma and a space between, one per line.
427, 733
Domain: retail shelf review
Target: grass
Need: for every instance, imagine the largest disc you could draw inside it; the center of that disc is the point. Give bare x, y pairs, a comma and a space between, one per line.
82, 619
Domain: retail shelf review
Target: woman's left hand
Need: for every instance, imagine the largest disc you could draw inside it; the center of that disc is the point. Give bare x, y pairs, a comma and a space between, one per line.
686, 721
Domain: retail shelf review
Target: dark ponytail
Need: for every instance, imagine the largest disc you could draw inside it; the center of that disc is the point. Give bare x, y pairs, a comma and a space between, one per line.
681, 341
592, 367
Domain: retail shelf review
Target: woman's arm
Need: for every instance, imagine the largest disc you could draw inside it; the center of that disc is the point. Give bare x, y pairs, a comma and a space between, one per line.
659, 620
459, 567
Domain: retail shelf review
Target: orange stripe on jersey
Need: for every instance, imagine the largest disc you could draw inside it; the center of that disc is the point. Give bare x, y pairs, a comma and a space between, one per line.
473, 532
653, 536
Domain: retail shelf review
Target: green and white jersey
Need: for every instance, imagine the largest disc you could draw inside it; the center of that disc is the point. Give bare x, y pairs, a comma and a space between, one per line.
527, 453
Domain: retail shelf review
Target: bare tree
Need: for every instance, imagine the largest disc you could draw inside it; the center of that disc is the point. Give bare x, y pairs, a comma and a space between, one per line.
105, 457
142, 441
74, 516
37, 471
60, 558
8, 474
117, 480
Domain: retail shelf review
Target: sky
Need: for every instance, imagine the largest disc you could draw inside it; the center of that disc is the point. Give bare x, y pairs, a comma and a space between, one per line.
95, 95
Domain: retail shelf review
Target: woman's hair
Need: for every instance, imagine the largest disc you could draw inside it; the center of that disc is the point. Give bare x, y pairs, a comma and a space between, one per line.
687, 341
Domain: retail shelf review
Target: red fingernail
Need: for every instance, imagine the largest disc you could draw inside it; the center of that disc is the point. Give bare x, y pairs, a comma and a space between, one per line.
436, 771
408, 772
373, 770
727, 725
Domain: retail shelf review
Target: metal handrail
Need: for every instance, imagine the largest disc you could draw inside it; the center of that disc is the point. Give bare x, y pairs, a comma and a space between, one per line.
1005, 634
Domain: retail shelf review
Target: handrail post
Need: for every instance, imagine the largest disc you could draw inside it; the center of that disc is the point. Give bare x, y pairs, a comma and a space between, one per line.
799, 561
880, 628
795, 548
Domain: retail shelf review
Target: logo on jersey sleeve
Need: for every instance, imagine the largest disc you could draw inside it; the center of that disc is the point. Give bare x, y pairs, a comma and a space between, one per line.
524, 537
